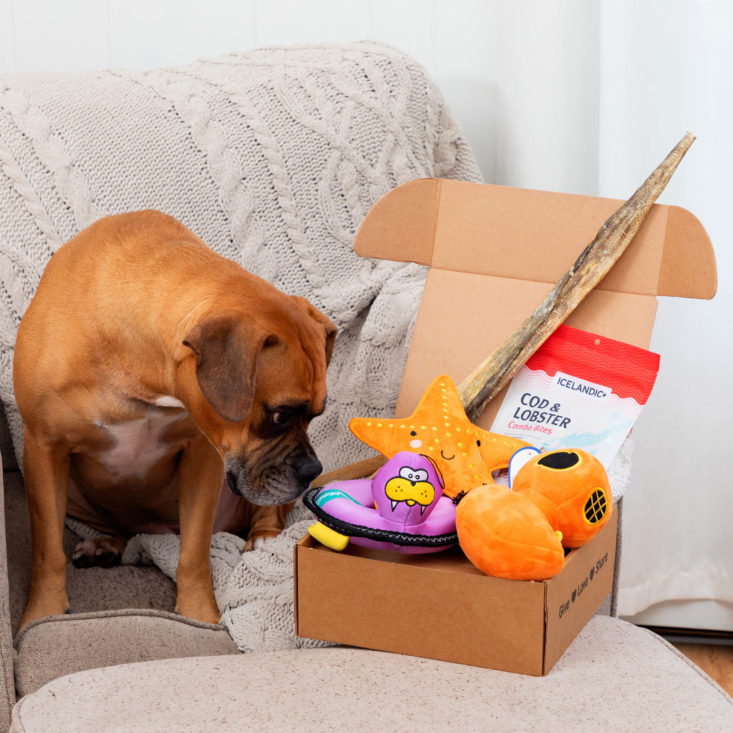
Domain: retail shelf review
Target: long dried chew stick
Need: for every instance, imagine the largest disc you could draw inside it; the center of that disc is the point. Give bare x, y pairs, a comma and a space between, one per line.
594, 262
483, 384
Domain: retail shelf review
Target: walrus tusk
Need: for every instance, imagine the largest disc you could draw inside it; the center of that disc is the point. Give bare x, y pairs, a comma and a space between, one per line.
483, 384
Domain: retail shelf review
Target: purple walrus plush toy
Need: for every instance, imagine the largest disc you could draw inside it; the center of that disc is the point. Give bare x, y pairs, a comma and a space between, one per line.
402, 508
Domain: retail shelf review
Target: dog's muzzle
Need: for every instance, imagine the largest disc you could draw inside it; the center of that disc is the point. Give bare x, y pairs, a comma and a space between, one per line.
277, 484
307, 469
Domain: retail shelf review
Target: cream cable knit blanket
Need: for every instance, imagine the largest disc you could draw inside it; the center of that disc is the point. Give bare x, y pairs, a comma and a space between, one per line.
254, 590
273, 158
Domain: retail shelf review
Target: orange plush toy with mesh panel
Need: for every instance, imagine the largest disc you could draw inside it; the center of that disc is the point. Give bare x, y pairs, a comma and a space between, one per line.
572, 490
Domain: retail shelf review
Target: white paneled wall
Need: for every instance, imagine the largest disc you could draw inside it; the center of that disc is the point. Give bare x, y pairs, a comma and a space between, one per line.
149, 33
500, 82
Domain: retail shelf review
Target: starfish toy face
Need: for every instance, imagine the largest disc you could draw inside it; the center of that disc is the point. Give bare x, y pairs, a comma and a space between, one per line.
439, 428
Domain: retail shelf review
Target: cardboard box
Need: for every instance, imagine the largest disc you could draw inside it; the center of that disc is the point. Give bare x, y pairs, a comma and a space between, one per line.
494, 254
440, 606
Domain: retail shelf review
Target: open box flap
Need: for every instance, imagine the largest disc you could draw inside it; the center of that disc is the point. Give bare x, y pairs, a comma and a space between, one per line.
534, 235
495, 252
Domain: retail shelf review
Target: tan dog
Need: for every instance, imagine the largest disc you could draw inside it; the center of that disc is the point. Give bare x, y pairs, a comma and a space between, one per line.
148, 369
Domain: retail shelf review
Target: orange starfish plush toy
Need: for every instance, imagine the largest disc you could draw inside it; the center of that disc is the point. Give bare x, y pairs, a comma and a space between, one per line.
438, 428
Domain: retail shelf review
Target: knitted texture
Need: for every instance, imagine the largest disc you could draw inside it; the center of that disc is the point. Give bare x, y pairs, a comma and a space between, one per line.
254, 590
272, 157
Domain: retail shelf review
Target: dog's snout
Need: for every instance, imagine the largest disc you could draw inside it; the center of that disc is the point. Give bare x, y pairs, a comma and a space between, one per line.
308, 468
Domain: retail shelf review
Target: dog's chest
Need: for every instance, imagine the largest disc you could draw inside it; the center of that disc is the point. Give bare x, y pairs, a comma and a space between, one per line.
134, 446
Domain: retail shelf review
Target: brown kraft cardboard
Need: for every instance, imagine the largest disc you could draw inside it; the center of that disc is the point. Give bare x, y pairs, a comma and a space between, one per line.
494, 253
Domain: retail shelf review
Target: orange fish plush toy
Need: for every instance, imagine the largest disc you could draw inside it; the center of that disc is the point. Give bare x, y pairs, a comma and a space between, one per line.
506, 535
557, 500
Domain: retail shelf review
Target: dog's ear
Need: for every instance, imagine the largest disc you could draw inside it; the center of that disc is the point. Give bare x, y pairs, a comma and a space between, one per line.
331, 332
226, 350
316, 341
329, 328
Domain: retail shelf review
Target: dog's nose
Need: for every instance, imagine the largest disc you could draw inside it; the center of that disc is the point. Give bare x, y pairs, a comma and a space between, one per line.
308, 468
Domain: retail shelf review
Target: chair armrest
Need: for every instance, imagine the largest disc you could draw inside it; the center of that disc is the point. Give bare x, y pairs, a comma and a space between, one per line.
7, 684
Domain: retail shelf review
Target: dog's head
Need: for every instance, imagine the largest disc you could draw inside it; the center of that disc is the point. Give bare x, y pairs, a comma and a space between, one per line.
255, 380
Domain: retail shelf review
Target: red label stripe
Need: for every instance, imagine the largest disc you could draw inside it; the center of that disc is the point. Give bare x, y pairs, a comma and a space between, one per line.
628, 370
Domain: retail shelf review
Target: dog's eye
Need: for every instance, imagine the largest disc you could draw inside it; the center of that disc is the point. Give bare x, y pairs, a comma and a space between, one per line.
281, 420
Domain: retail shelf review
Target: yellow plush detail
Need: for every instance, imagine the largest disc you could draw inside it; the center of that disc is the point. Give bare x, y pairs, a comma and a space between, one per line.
465, 454
328, 537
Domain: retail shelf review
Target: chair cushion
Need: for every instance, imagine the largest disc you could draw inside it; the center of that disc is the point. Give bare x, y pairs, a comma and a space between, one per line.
614, 677
101, 632
90, 589
59, 645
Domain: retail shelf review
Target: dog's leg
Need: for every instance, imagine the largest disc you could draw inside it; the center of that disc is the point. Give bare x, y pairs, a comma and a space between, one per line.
200, 477
266, 521
46, 474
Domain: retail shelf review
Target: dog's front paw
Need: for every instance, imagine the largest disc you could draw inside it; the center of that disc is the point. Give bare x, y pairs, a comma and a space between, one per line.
255, 543
49, 605
201, 608
101, 552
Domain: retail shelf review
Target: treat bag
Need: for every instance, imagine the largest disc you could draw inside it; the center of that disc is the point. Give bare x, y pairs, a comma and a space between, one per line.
578, 390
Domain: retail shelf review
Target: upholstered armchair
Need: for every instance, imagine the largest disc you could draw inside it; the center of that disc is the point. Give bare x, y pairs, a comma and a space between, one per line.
272, 157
